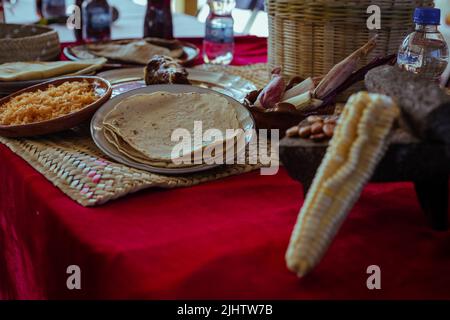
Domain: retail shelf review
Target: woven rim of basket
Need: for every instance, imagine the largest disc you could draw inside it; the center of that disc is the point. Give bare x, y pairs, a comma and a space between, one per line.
47, 31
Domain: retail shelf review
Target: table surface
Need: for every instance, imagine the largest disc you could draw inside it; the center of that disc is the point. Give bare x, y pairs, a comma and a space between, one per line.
224, 239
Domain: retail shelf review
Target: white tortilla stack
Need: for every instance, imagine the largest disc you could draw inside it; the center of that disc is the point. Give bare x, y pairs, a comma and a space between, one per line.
141, 127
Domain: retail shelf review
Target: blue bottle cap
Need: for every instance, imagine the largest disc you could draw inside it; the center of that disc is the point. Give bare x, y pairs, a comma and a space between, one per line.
427, 16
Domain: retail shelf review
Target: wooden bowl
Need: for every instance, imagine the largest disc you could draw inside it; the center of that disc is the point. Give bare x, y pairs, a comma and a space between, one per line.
102, 88
275, 119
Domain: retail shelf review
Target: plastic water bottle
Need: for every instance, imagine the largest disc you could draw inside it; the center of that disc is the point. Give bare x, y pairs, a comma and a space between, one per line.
425, 51
218, 46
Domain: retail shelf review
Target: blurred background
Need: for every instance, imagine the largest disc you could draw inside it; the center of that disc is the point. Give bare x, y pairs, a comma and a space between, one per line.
189, 17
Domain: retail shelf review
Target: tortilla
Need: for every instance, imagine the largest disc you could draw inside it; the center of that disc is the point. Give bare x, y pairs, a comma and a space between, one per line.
141, 126
139, 51
21, 71
135, 155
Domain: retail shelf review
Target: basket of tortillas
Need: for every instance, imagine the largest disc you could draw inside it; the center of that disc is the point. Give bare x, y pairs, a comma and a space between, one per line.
19, 42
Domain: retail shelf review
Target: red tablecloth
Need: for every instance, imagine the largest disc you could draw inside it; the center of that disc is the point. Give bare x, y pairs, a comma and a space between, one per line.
224, 239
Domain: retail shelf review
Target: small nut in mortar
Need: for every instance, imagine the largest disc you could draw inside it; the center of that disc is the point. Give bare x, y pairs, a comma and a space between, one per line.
292, 132
313, 119
317, 127
331, 120
304, 132
328, 129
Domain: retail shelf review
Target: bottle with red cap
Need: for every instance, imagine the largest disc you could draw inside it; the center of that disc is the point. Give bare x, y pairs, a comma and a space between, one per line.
158, 19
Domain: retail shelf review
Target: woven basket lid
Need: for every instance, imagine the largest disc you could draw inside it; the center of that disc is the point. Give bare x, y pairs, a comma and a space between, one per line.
28, 43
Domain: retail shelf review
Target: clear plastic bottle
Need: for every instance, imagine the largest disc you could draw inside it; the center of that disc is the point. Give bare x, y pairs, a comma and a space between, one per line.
425, 51
218, 46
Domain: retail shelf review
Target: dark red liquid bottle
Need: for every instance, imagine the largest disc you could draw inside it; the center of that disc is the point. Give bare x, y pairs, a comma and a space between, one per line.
96, 20
158, 19
2, 12
39, 8
79, 32
53, 8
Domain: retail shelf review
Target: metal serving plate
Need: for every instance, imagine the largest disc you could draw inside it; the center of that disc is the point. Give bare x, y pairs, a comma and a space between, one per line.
244, 117
124, 80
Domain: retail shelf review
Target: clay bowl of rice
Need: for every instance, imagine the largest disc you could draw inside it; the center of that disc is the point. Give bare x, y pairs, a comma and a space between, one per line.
52, 106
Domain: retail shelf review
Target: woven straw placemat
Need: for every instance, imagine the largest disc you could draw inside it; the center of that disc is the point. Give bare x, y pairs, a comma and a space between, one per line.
72, 162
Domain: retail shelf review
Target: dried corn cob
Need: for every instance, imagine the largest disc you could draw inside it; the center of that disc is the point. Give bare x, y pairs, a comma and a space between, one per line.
340, 72
358, 144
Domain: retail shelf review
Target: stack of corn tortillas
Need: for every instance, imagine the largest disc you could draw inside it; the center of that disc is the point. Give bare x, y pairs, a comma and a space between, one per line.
142, 126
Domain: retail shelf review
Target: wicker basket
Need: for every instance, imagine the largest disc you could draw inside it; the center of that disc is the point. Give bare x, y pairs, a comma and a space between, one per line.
308, 37
28, 43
